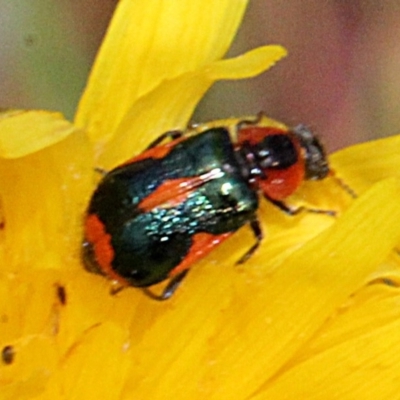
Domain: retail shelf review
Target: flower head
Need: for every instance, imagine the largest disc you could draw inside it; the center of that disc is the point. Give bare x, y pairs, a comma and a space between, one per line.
299, 308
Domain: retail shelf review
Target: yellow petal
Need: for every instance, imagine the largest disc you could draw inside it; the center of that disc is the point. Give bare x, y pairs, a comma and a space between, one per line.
353, 356
150, 41
389, 271
170, 104
247, 65
42, 192
362, 165
25, 132
27, 377
371, 308
30, 315
227, 320
77, 372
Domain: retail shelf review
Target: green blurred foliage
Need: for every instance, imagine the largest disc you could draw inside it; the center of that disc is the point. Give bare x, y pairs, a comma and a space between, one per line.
47, 48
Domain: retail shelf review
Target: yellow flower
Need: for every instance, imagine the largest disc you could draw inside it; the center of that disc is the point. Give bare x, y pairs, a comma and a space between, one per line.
298, 320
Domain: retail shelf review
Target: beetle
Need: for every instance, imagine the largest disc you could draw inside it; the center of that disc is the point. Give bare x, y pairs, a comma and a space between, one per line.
151, 218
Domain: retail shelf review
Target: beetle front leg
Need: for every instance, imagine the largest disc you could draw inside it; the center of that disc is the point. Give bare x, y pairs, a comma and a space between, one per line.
244, 123
284, 207
295, 210
257, 231
174, 134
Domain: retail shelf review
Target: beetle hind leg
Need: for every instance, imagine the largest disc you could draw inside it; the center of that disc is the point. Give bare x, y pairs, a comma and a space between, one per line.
169, 290
257, 231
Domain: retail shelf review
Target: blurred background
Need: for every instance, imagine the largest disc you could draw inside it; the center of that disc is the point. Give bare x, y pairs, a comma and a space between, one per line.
341, 77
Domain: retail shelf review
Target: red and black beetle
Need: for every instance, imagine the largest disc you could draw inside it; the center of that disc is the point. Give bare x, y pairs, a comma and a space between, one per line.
153, 217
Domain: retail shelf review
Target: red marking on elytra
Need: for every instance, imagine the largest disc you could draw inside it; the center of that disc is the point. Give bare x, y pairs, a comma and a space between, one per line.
203, 243
155, 152
169, 193
174, 191
97, 236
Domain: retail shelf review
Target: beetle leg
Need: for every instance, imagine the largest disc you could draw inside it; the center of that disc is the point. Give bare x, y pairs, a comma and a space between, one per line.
170, 289
243, 123
256, 228
295, 210
101, 171
284, 207
174, 134
116, 287
250, 121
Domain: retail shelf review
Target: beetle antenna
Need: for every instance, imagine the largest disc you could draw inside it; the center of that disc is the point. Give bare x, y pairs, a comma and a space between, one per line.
345, 186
